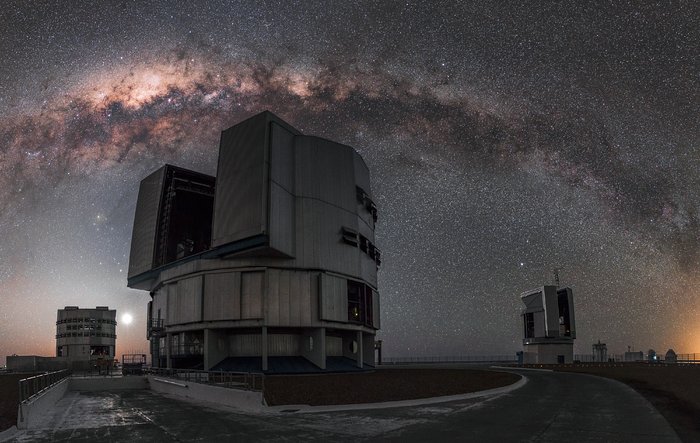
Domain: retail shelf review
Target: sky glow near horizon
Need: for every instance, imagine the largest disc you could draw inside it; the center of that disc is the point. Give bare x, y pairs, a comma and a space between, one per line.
503, 141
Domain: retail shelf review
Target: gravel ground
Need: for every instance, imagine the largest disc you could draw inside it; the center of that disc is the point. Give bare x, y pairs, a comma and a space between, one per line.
379, 386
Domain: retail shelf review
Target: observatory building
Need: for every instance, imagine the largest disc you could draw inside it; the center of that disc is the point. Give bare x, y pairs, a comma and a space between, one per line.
549, 328
85, 340
85, 336
271, 265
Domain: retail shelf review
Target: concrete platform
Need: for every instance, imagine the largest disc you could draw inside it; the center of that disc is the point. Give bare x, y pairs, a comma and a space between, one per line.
549, 407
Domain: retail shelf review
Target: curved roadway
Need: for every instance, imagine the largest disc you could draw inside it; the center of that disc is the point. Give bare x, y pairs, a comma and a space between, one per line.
549, 407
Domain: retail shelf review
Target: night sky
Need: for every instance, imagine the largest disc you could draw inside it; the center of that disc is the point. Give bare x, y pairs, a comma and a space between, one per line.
503, 139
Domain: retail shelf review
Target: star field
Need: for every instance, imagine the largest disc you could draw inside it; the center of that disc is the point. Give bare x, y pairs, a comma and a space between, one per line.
504, 140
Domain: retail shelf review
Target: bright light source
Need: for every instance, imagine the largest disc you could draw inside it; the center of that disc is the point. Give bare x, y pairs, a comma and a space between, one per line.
127, 318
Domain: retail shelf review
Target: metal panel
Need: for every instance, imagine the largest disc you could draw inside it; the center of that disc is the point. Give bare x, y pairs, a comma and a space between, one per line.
145, 223
222, 298
333, 298
282, 156
272, 302
307, 235
315, 282
539, 324
282, 217
324, 170
551, 310
252, 294
240, 205
283, 344
284, 297
306, 305
245, 345
282, 203
295, 299
160, 302
187, 302
361, 173
362, 180
570, 297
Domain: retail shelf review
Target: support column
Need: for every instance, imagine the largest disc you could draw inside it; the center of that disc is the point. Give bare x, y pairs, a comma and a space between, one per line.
207, 350
313, 346
264, 348
214, 348
368, 349
168, 360
360, 348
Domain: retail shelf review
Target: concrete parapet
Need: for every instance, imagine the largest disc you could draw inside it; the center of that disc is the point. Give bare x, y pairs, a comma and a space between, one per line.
30, 414
107, 383
8, 433
251, 401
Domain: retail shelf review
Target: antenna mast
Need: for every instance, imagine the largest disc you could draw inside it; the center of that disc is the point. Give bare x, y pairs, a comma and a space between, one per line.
556, 276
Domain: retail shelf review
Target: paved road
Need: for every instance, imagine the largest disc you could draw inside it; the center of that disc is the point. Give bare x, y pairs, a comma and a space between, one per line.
550, 407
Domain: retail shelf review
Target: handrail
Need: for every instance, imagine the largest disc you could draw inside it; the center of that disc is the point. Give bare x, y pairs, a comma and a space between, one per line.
249, 381
32, 386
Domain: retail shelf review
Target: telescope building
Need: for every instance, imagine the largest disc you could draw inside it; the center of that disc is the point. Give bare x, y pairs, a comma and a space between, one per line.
86, 336
271, 265
549, 326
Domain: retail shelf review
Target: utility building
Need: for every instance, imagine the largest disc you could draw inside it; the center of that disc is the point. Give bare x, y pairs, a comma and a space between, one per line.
271, 265
86, 337
548, 325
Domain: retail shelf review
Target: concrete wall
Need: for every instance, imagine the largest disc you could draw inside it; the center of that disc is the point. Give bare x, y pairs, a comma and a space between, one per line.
313, 346
31, 414
368, 349
546, 353
107, 383
239, 399
31, 363
334, 346
215, 347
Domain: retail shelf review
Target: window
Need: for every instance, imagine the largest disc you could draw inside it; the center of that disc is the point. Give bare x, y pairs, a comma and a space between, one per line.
364, 244
564, 314
529, 325
99, 350
360, 307
355, 290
